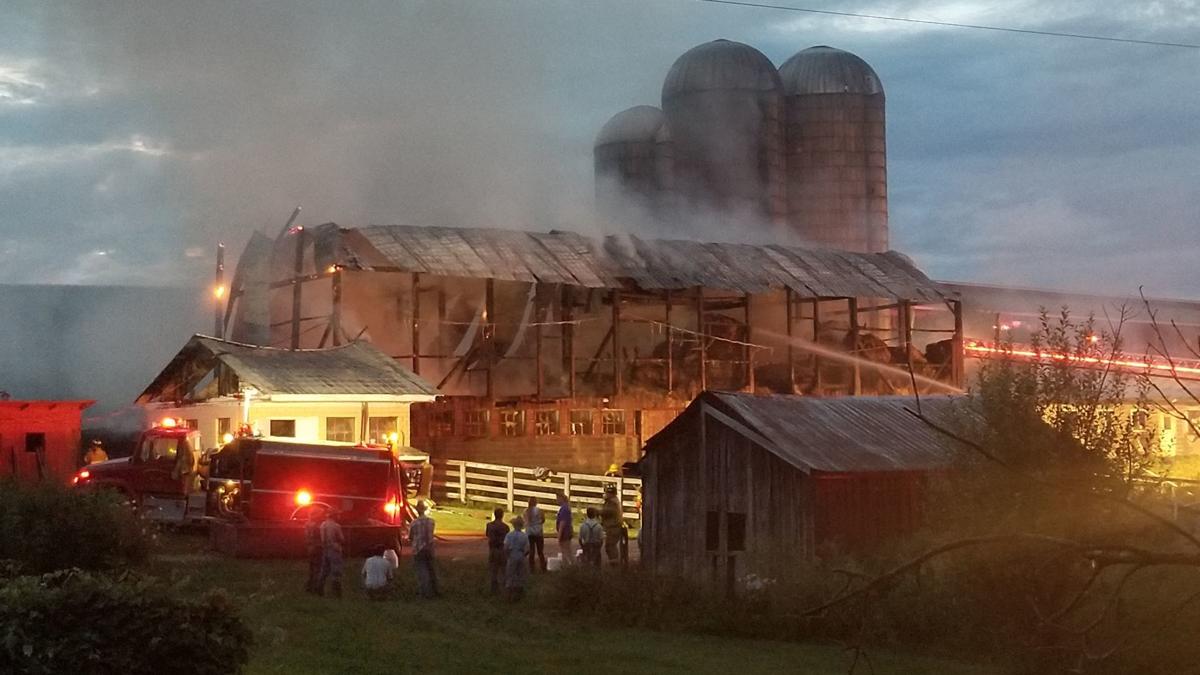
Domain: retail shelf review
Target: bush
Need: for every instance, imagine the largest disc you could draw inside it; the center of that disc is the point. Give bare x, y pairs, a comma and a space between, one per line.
76, 622
48, 527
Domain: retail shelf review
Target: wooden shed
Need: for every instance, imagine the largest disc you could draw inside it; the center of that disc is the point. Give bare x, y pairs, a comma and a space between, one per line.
742, 484
40, 439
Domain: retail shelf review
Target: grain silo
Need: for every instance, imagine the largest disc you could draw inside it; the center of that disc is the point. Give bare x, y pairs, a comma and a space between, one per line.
627, 177
836, 157
723, 105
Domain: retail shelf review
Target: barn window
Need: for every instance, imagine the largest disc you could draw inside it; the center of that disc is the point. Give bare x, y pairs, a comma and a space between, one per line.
476, 423
512, 422
546, 423
612, 422
340, 429
283, 428
192, 424
581, 422
735, 531
380, 429
35, 442
712, 531
441, 424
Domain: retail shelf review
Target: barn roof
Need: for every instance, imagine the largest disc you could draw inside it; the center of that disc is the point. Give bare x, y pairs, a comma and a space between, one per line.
356, 368
651, 264
845, 434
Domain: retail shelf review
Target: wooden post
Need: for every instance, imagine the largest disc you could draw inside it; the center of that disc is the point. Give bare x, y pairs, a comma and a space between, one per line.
621, 495
462, 482
670, 347
749, 351
856, 383
616, 341
509, 493
701, 337
335, 315
443, 329
297, 270
489, 311
816, 326
416, 323
906, 329
219, 293
567, 486
956, 357
568, 337
791, 349
539, 317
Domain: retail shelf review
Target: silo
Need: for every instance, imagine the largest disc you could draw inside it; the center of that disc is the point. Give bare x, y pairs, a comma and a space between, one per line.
836, 153
627, 170
723, 105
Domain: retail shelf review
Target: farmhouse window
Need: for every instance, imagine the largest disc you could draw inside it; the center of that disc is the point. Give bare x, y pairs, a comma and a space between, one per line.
379, 429
546, 423
224, 426
35, 442
581, 422
192, 424
612, 422
339, 429
476, 423
283, 428
512, 422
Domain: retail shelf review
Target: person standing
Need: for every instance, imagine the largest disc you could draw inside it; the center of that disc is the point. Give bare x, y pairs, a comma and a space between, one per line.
516, 551
333, 541
420, 534
377, 575
614, 525
565, 527
535, 524
496, 531
314, 548
95, 453
591, 537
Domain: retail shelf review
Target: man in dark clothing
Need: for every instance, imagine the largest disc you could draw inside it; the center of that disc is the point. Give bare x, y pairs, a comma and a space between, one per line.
495, 532
312, 545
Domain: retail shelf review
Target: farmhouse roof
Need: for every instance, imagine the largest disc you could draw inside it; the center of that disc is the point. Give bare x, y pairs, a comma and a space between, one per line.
845, 434
617, 260
356, 368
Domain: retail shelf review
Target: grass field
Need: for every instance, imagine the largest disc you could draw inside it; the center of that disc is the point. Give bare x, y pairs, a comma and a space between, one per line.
469, 632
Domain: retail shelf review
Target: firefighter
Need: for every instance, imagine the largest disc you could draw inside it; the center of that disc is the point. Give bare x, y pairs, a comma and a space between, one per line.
312, 545
95, 453
614, 525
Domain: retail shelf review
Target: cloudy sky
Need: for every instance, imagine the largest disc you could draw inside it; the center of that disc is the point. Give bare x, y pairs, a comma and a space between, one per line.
134, 136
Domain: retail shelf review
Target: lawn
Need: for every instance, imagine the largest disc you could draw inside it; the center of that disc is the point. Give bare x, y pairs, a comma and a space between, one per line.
468, 631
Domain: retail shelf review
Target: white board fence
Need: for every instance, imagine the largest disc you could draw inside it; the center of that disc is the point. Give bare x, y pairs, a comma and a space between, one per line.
512, 486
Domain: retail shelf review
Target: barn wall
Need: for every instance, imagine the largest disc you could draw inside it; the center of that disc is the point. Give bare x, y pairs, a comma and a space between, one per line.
856, 512
58, 421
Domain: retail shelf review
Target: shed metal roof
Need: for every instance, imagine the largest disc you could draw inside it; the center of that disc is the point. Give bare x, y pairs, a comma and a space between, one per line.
847, 434
651, 264
357, 368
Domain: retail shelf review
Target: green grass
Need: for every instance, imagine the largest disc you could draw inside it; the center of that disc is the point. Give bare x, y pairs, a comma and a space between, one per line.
468, 631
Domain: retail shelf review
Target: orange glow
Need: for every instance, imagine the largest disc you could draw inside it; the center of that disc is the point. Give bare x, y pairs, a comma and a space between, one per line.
303, 498
82, 475
1154, 367
332, 269
168, 423
392, 507
227, 438
219, 292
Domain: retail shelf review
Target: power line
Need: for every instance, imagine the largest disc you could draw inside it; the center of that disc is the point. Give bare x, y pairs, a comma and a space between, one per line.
952, 24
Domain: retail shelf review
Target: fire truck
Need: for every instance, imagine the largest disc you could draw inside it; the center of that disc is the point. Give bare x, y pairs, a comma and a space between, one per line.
255, 493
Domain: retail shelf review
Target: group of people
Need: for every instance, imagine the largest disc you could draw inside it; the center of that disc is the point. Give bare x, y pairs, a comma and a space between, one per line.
513, 552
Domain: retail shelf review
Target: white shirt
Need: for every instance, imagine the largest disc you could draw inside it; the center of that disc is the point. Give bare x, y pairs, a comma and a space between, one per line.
376, 572
392, 558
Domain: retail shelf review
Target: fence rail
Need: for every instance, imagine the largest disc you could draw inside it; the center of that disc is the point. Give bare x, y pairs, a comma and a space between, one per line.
512, 486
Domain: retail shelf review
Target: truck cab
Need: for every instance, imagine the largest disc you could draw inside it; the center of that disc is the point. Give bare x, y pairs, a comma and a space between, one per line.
160, 478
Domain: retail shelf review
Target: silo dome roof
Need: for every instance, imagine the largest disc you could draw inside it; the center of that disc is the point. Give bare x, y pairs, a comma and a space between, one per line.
720, 64
637, 124
825, 70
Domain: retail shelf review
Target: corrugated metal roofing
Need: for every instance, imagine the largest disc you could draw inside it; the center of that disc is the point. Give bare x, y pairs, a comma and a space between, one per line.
357, 368
826, 70
720, 65
847, 434
651, 264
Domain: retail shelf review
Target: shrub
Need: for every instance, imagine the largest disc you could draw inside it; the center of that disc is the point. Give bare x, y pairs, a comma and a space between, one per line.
47, 527
74, 621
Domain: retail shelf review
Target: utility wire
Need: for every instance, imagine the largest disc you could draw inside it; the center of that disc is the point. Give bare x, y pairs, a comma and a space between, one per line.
952, 24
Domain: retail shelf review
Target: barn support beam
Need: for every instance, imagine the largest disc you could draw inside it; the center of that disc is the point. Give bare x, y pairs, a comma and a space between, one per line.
297, 270
701, 337
816, 328
416, 323
538, 318
748, 350
616, 341
856, 380
789, 318
670, 345
906, 328
219, 294
489, 335
956, 356
568, 337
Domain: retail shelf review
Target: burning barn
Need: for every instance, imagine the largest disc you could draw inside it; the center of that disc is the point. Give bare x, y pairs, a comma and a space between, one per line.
743, 485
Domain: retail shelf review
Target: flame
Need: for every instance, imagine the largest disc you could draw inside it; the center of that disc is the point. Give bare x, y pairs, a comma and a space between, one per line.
1149, 366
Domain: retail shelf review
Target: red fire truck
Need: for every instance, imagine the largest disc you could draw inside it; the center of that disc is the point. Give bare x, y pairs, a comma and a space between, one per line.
256, 493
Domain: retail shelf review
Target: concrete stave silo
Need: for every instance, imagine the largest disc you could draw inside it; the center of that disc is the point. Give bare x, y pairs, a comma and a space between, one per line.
835, 150
723, 106
629, 180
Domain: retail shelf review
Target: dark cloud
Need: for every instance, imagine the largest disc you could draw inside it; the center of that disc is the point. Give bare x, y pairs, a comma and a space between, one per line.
134, 134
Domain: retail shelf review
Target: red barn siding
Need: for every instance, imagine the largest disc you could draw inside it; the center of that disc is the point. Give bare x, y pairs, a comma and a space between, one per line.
58, 420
